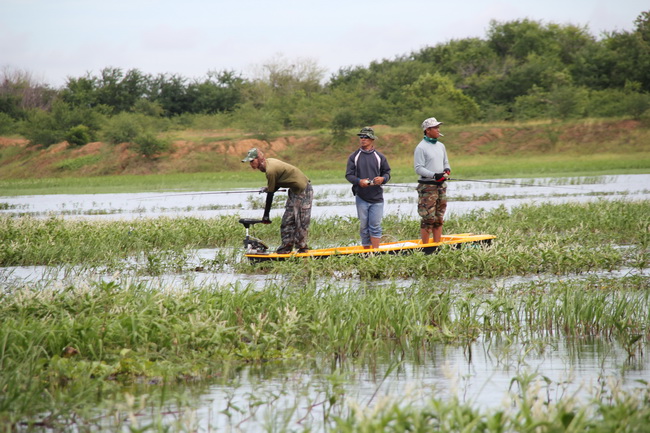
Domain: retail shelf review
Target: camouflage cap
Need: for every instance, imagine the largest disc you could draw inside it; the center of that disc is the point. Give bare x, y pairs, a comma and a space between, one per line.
430, 123
252, 154
368, 131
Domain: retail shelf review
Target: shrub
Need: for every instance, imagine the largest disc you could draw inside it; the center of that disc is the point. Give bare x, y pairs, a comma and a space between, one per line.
616, 102
262, 124
78, 135
533, 105
343, 121
123, 128
567, 102
147, 144
606, 103
49, 127
431, 92
41, 128
7, 124
637, 104
148, 108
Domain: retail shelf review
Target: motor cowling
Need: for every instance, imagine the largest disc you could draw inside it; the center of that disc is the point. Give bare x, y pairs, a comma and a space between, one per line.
253, 245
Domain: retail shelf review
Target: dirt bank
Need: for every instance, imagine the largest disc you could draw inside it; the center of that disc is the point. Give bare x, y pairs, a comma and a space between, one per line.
201, 151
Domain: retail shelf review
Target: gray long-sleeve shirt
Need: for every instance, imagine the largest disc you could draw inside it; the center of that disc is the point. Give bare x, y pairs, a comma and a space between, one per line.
429, 159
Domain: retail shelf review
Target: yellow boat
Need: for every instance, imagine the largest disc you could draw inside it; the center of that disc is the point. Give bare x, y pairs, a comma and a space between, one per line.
256, 251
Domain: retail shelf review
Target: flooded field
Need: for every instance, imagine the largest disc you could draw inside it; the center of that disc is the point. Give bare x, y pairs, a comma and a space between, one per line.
332, 199
507, 339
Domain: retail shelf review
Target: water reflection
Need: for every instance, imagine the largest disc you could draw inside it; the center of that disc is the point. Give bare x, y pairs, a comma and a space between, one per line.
300, 394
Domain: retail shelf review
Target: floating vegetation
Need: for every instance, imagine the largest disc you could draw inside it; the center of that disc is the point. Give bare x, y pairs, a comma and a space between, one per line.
9, 206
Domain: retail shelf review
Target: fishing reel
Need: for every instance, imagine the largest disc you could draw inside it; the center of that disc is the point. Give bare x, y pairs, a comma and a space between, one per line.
252, 245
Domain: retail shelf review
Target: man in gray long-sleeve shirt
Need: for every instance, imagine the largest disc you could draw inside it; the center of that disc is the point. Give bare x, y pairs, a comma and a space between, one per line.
367, 170
431, 163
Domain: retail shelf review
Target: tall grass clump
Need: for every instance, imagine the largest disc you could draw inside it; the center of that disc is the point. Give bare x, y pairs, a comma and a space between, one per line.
52, 241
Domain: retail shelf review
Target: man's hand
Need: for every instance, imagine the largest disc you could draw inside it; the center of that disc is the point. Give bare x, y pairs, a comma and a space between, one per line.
441, 177
378, 180
363, 183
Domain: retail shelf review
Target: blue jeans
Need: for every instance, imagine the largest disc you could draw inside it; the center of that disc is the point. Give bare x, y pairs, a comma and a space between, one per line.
370, 215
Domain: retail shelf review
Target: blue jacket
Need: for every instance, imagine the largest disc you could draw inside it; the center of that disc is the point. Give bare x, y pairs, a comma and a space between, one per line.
367, 165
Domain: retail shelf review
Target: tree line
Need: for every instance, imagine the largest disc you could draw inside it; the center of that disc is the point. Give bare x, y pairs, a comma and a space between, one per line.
522, 69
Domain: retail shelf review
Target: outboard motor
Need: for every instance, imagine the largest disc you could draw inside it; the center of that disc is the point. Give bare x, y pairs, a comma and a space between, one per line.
252, 245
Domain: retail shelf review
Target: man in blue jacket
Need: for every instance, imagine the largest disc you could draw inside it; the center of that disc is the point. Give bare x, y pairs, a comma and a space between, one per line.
367, 170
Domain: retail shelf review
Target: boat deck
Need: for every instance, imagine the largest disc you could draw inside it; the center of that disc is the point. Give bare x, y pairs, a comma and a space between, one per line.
400, 247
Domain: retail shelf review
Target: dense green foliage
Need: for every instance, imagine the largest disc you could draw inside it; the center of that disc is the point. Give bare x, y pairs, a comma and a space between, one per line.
522, 69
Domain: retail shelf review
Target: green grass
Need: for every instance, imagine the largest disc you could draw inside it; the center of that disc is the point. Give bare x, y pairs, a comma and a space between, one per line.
463, 167
74, 164
132, 183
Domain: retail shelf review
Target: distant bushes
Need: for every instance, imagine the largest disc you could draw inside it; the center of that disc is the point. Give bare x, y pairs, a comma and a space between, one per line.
78, 135
62, 122
521, 70
7, 124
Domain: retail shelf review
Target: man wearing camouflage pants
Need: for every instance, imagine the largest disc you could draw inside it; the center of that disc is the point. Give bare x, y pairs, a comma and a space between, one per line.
431, 163
297, 211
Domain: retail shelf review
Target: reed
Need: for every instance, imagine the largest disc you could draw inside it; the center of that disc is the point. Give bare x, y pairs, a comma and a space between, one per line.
62, 347
528, 409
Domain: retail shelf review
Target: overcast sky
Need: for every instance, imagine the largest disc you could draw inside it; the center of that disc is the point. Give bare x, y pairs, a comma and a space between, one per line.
56, 39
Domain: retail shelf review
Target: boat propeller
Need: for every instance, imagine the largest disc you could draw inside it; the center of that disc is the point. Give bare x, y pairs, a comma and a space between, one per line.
251, 244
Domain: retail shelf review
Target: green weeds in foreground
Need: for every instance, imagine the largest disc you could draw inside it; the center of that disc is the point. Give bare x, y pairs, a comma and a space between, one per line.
528, 409
58, 348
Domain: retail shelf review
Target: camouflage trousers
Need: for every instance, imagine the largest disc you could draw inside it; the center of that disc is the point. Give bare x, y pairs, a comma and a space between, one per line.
296, 219
432, 204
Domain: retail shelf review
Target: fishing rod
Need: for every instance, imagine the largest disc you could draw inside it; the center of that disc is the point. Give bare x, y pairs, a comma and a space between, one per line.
398, 185
515, 183
246, 191
489, 181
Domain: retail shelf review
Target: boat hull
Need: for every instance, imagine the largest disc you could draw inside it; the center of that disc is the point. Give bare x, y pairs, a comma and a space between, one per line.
401, 247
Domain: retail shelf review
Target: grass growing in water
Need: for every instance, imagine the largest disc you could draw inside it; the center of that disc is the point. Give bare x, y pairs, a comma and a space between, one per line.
549, 238
59, 348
